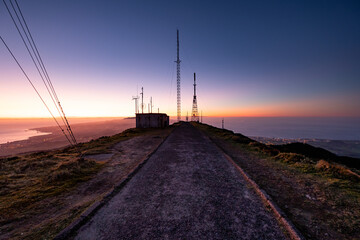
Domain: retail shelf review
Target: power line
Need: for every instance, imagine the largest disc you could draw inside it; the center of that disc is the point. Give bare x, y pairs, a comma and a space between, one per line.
40, 62
43, 68
37, 53
31, 55
35, 89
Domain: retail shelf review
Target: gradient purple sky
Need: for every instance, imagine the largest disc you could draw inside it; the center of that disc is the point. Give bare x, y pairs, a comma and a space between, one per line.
252, 58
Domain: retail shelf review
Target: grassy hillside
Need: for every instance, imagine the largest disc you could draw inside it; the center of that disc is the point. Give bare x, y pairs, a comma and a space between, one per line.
319, 191
36, 188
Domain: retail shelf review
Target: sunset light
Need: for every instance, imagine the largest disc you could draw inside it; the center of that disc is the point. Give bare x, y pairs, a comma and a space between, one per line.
135, 119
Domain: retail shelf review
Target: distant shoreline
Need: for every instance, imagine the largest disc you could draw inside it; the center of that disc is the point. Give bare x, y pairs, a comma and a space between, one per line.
91, 130
22, 135
349, 148
83, 132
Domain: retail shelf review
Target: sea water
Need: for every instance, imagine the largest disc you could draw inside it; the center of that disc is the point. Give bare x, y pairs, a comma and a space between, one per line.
331, 128
17, 129
18, 134
21, 129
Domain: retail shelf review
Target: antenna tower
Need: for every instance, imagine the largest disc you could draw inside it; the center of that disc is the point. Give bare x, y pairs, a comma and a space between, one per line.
178, 79
142, 100
194, 113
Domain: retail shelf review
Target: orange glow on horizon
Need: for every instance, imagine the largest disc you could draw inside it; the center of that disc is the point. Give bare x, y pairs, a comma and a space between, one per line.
105, 103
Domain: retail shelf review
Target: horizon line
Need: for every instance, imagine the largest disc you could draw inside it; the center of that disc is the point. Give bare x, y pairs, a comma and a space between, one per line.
213, 116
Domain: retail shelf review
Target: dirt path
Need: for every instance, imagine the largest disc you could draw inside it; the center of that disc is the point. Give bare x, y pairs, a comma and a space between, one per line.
186, 190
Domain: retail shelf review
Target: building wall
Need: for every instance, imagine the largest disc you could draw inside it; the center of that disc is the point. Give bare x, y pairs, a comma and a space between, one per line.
152, 120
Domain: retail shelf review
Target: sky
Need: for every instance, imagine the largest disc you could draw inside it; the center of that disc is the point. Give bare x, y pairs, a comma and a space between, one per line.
251, 58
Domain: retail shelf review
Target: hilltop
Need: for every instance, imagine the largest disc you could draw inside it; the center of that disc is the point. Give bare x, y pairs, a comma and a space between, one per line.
317, 190
43, 192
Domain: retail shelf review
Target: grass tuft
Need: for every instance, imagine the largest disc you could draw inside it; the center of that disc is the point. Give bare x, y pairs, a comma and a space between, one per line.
292, 158
336, 171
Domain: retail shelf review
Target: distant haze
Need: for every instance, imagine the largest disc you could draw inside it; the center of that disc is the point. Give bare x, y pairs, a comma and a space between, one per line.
330, 128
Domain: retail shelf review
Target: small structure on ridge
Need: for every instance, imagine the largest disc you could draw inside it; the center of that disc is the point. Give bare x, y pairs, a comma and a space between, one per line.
152, 120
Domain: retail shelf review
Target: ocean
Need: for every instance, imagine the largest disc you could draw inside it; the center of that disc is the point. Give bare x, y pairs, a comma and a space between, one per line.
330, 128
21, 129
320, 132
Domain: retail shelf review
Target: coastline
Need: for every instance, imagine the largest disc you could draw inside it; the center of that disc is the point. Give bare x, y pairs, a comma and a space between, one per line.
22, 135
51, 137
348, 148
83, 132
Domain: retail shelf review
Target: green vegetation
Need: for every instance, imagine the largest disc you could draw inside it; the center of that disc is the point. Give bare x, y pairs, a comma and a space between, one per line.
319, 191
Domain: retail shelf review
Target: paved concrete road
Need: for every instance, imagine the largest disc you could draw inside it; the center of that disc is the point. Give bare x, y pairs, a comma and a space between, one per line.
186, 190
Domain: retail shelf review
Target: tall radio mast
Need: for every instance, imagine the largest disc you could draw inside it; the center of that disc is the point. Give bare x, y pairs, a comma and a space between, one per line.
178, 80
194, 113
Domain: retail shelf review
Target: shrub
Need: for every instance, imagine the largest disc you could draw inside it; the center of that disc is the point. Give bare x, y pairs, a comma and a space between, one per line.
69, 169
336, 171
291, 157
260, 147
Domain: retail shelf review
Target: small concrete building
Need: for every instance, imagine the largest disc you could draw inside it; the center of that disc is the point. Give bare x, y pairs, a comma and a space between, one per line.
152, 120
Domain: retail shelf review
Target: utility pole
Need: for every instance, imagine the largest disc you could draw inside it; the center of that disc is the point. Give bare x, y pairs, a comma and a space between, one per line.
142, 100
151, 105
178, 79
136, 98
223, 123
201, 116
187, 116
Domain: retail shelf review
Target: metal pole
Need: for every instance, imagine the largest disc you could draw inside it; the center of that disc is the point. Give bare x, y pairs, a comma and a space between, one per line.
142, 100
151, 106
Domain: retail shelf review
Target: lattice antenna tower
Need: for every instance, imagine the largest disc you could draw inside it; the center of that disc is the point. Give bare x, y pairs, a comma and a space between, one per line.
178, 79
194, 113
